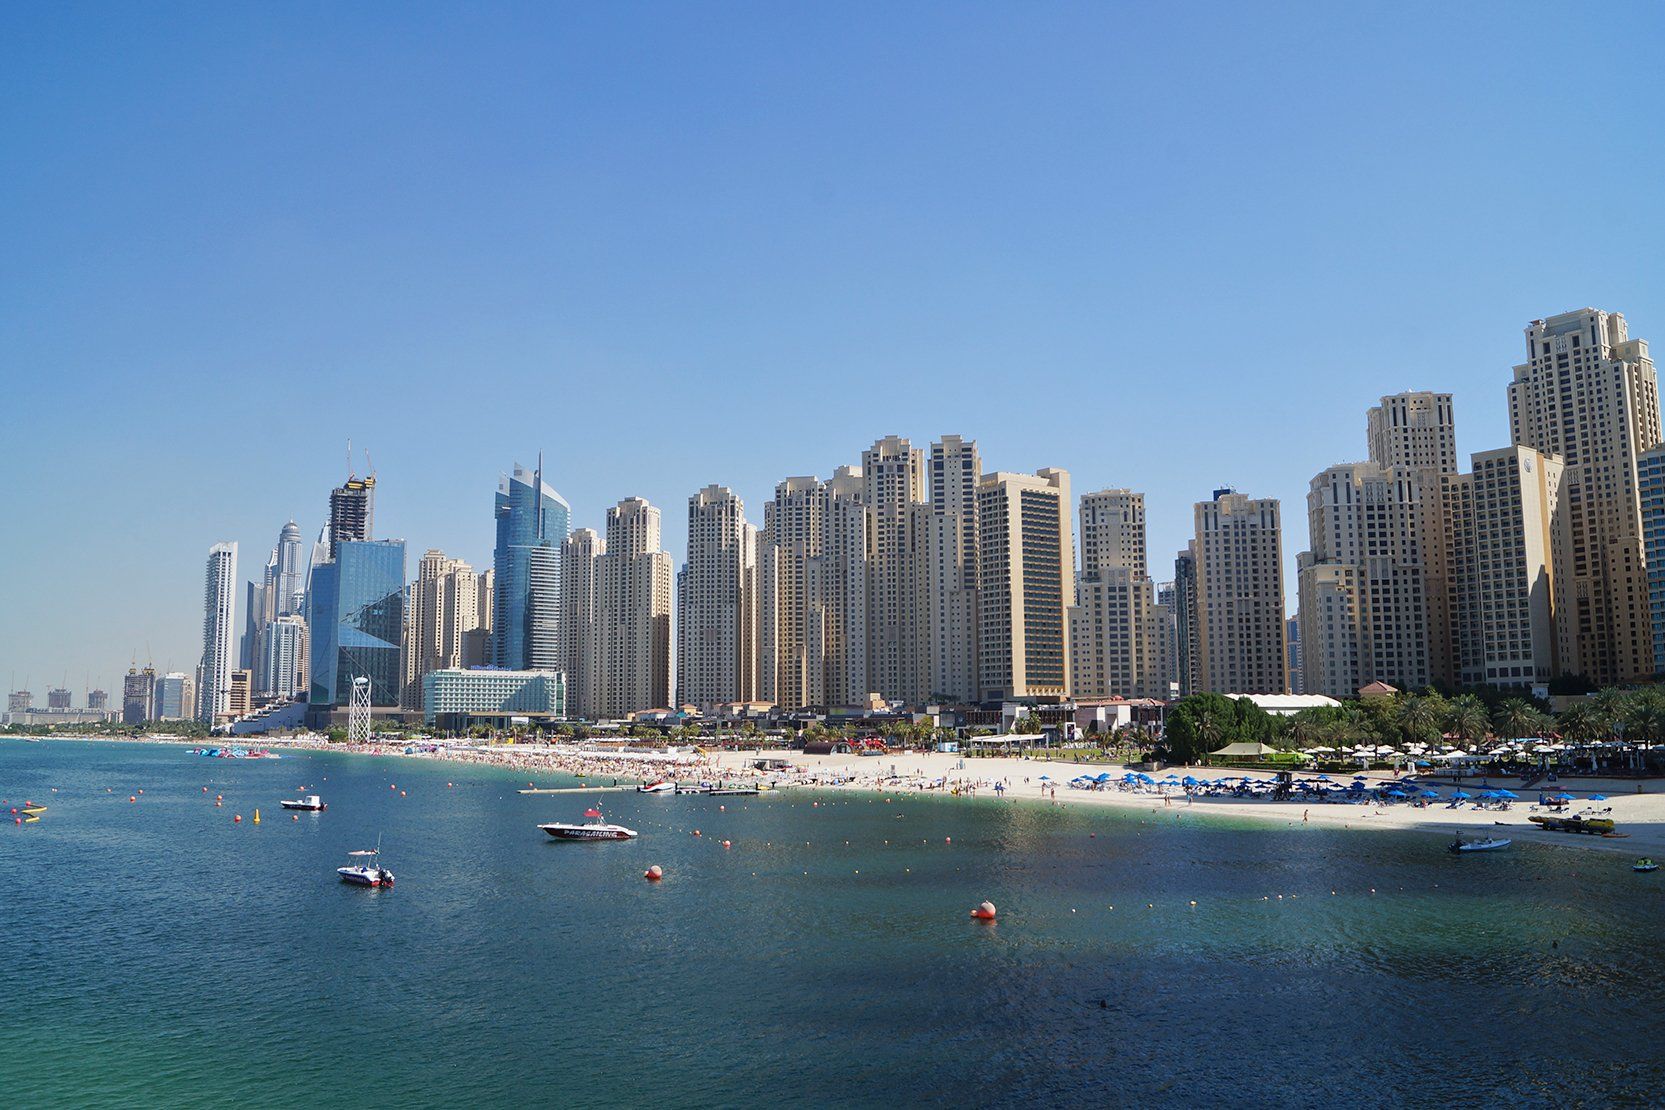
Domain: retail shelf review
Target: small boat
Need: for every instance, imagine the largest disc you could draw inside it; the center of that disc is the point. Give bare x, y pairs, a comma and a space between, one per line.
309, 802
592, 829
733, 791
1593, 825
1644, 864
660, 786
697, 788
366, 869
1489, 844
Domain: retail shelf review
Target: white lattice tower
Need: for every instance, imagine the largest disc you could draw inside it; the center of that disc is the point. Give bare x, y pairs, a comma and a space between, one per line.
358, 711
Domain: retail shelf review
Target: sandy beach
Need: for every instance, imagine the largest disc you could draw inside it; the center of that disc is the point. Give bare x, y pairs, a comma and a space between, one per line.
1640, 815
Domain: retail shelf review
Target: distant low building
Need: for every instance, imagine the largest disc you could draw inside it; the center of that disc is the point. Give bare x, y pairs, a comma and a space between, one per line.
456, 699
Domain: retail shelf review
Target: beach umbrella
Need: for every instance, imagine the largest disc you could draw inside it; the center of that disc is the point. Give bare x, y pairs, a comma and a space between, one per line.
1507, 794
1598, 797
1188, 780
1562, 797
1430, 793
1462, 794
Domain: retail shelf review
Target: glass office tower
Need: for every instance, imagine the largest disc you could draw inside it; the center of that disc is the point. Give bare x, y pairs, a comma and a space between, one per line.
356, 618
532, 522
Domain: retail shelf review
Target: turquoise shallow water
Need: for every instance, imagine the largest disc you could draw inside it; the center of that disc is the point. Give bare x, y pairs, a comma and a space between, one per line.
153, 953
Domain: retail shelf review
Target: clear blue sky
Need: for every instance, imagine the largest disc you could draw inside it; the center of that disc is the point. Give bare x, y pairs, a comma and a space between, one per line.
1164, 246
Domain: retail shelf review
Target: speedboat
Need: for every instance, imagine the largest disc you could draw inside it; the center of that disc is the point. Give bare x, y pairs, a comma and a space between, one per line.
309, 801
592, 829
659, 786
1489, 844
1644, 864
365, 869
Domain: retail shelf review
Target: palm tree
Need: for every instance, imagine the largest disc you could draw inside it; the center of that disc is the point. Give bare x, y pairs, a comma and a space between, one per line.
1419, 716
1516, 718
1644, 716
1210, 728
1466, 717
1608, 706
1576, 723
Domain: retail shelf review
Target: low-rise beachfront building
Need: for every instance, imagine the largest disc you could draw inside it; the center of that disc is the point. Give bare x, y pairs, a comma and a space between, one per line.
1287, 705
456, 699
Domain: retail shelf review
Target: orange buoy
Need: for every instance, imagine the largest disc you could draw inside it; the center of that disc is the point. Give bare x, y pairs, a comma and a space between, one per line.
131, 798
984, 912
654, 873
401, 793
218, 803
696, 832
237, 820
726, 844
294, 817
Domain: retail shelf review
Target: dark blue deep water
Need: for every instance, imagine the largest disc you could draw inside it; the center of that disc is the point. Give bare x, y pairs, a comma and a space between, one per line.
156, 954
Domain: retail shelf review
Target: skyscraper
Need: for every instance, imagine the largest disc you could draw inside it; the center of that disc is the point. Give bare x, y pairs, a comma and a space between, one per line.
1367, 519
1415, 434
352, 511
98, 699
893, 485
1520, 545
947, 557
1112, 643
289, 574
283, 669
58, 699
355, 621
443, 608
1587, 393
1413, 431
138, 696
580, 594
219, 601
532, 522
175, 694
717, 603
1650, 482
1025, 584
1187, 652
634, 613
1239, 552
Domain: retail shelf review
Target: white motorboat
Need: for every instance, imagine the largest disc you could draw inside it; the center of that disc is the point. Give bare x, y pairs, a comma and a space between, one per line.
309, 802
1489, 844
661, 786
366, 869
592, 829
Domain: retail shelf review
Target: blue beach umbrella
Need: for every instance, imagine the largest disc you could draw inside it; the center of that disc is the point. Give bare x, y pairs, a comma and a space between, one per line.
1598, 797
1464, 795
1046, 778
1507, 794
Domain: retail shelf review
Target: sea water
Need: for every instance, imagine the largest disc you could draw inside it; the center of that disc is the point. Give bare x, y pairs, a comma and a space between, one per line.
157, 953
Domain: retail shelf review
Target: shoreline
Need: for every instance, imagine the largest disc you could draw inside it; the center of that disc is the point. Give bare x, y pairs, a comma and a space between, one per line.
1642, 816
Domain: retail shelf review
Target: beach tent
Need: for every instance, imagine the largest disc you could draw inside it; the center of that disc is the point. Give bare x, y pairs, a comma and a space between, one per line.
1245, 750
